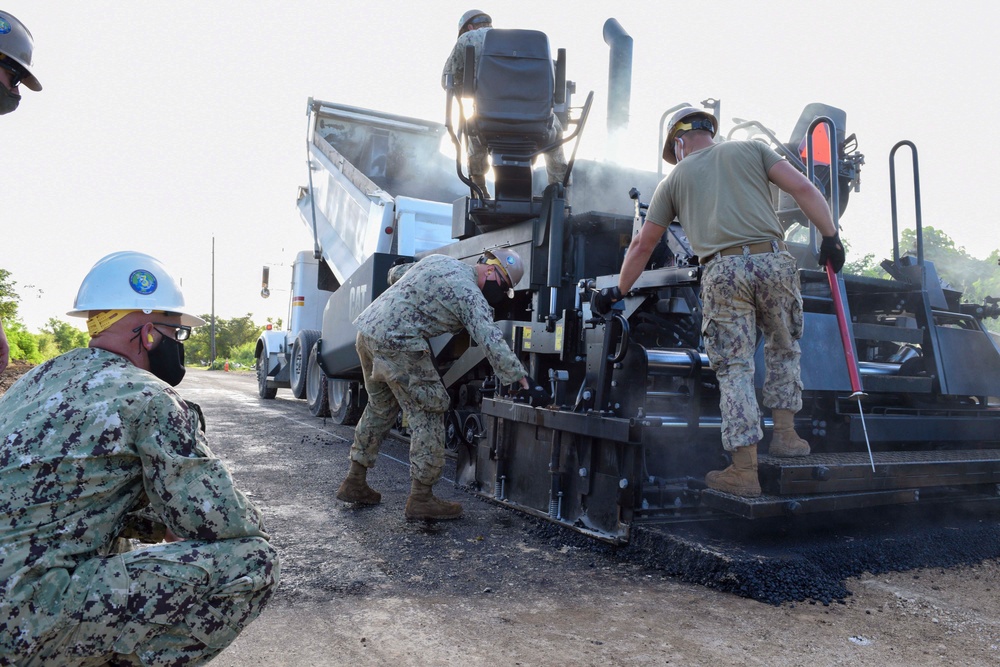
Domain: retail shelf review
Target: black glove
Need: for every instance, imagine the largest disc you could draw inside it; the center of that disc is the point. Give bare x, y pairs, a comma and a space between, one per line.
601, 301
832, 250
401, 260
535, 395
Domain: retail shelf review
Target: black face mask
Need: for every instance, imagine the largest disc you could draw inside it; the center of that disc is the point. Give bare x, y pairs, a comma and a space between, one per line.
8, 100
495, 295
166, 361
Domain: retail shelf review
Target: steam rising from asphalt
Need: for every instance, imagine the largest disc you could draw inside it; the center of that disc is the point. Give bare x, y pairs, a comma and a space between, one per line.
604, 187
421, 164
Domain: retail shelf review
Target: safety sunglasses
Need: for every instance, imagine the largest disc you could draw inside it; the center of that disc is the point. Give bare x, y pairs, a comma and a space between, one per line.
17, 73
181, 332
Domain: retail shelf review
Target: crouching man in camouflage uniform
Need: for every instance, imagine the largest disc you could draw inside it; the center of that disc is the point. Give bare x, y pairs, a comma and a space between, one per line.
436, 295
95, 446
720, 193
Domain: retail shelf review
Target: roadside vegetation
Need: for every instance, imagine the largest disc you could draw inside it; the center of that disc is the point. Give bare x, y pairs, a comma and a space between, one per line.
234, 338
977, 279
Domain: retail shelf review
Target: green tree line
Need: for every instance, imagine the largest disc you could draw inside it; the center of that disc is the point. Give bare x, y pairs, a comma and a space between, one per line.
55, 337
235, 338
975, 278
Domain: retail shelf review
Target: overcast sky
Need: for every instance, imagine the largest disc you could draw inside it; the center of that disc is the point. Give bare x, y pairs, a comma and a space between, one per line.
164, 124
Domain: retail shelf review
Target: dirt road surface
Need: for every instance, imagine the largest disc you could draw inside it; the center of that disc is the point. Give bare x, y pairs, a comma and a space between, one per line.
364, 587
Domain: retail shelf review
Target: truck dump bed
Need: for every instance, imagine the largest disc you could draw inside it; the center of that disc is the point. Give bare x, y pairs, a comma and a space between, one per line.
378, 183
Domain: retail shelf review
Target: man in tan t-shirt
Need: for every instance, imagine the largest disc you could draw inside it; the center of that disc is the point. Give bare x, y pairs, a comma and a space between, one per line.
720, 193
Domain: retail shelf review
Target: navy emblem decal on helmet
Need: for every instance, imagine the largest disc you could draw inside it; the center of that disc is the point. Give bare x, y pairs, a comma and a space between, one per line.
142, 281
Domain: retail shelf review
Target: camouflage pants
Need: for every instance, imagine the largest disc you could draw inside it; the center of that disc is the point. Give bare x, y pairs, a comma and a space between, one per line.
178, 603
555, 159
739, 294
403, 380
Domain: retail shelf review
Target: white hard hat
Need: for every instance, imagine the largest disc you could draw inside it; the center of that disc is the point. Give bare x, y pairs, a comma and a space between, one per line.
131, 281
686, 119
17, 44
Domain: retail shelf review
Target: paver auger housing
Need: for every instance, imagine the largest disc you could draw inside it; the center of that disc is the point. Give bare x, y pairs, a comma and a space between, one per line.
635, 422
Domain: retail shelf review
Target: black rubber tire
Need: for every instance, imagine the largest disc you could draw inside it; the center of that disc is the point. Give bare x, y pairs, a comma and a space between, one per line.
347, 400
316, 386
299, 361
452, 433
261, 367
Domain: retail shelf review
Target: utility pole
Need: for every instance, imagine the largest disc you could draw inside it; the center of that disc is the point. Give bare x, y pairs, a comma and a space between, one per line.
212, 364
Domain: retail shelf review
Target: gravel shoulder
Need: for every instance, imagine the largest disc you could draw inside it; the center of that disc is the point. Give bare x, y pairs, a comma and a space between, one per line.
362, 586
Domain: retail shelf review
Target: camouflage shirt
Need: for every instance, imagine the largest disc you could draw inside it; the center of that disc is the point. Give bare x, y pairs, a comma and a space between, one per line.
85, 439
455, 65
437, 295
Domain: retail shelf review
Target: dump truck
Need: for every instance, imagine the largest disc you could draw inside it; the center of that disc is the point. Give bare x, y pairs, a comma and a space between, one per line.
370, 195
900, 376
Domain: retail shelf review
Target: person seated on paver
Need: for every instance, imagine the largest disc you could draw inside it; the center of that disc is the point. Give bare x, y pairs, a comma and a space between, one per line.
473, 27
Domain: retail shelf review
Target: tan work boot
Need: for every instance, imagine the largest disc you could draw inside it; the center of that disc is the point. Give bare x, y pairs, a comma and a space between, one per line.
355, 488
740, 479
424, 505
786, 443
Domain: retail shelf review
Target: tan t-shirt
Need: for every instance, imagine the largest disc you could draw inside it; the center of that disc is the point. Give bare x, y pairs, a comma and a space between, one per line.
721, 196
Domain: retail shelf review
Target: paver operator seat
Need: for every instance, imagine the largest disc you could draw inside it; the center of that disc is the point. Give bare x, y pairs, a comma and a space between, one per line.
513, 87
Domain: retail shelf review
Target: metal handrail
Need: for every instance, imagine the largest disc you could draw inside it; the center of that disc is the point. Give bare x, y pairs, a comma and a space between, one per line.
663, 121
776, 143
916, 197
831, 129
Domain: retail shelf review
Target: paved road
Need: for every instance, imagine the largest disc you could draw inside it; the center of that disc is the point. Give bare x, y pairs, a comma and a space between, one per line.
364, 587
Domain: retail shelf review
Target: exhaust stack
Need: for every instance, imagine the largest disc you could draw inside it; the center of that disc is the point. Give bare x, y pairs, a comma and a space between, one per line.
619, 80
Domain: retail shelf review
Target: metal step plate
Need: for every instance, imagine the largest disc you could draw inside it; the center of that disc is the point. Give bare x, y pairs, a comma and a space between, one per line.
772, 506
852, 471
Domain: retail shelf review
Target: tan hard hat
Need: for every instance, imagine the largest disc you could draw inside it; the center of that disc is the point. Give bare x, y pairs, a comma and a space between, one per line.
509, 262
17, 44
686, 119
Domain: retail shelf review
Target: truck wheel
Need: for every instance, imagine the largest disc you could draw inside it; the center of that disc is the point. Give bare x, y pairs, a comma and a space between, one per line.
262, 389
316, 386
452, 433
347, 401
298, 364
